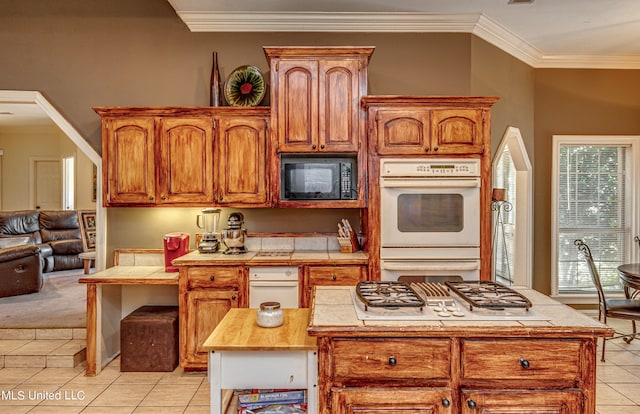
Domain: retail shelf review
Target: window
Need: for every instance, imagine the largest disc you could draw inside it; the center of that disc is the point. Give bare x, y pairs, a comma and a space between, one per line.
68, 186
593, 199
512, 171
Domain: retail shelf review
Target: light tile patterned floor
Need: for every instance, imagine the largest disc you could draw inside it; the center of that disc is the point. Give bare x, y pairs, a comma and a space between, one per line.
68, 390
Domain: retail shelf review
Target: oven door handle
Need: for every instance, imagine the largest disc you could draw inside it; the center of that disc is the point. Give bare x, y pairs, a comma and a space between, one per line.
431, 267
272, 283
405, 182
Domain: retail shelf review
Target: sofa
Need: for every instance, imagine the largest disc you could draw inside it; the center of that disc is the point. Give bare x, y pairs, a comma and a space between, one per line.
20, 269
57, 235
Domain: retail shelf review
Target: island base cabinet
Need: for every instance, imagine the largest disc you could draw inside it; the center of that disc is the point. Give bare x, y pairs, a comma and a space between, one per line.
391, 401
522, 402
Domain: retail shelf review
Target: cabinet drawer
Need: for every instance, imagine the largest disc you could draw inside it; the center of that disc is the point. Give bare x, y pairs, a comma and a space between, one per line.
208, 277
391, 359
335, 275
557, 360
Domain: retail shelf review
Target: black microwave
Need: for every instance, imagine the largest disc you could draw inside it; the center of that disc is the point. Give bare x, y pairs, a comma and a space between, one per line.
309, 178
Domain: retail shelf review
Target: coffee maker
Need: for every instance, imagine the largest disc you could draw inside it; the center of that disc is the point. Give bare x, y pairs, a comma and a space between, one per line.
234, 235
208, 221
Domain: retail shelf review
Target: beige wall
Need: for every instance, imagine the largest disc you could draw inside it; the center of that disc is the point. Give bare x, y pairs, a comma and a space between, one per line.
84, 53
22, 144
572, 102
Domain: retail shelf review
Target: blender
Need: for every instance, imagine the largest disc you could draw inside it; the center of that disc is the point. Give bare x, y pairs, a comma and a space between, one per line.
234, 235
208, 221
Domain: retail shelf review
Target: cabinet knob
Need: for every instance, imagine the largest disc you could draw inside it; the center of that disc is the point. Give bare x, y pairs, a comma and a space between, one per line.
163, 197
334, 277
524, 363
322, 146
436, 148
445, 402
313, 146
221, 198
471, 404
392, 361
426, 149
151, 198
212, 278
233, 297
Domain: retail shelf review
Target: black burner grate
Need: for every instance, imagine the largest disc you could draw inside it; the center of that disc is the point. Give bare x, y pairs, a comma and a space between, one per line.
488, 295
388, 295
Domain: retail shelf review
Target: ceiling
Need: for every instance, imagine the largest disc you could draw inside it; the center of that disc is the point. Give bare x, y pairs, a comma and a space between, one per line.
542, 33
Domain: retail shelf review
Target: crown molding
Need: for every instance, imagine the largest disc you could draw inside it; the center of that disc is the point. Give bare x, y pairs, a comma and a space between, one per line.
398, 22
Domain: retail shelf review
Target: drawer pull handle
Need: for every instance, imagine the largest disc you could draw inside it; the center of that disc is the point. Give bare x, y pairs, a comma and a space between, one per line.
392, 361
471, 404
445, 402
212, 278
524, 363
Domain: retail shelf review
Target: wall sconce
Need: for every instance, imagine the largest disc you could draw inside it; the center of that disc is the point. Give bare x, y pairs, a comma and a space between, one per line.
500, 205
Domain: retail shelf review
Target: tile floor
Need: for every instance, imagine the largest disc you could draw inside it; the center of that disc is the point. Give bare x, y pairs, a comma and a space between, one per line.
67, 390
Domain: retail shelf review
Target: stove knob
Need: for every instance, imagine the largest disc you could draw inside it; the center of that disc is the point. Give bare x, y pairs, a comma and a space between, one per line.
392, 361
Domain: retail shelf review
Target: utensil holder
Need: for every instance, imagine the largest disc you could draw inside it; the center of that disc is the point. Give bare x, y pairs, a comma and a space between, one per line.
349, 244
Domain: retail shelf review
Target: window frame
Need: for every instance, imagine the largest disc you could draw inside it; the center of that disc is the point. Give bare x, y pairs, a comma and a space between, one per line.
633, 196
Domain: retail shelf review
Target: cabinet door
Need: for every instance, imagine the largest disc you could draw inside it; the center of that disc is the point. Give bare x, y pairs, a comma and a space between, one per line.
390, 401
521, 402
296, 97
205, 309
457, 131
130, 161
241, 163
402, 131
339, 105
186, 154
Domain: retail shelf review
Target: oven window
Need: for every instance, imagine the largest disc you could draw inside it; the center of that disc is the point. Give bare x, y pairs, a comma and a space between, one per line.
422, 213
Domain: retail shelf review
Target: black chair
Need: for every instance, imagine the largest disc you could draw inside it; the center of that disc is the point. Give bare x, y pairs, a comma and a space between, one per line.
628, 309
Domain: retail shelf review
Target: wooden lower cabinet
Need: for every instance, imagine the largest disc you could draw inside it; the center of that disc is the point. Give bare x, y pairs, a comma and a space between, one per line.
392, 374
522, 402
206, 295
390, 401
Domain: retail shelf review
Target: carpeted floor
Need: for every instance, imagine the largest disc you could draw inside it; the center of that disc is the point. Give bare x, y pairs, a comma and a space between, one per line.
61, 303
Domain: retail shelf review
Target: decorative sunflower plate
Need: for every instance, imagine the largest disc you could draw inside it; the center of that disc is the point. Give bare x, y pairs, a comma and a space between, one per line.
245, 86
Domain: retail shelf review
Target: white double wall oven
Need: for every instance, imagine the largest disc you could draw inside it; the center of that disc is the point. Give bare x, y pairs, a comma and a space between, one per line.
429, 217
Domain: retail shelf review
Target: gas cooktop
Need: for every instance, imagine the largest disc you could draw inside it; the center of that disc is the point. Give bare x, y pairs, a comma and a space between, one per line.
388, 295
488, 295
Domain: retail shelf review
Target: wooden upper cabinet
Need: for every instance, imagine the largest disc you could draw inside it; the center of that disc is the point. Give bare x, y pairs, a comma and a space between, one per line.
457, 131
402, 131
297, 100
315, 97
186, 155
429, 125
241, 161
129, 162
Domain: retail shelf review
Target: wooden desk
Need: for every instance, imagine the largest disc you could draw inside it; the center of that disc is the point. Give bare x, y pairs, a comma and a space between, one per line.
114, 293
630, 278
244, 355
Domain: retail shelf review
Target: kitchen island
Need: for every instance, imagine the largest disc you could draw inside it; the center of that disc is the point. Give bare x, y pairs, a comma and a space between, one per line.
543, 361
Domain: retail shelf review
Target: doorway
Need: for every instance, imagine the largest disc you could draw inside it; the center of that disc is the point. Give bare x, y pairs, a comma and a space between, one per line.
34, 97
45, 184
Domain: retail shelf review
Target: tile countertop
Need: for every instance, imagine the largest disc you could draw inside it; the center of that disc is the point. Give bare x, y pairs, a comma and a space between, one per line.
272, 258
333, 312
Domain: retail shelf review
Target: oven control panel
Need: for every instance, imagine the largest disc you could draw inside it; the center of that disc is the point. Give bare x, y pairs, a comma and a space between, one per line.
430, 167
